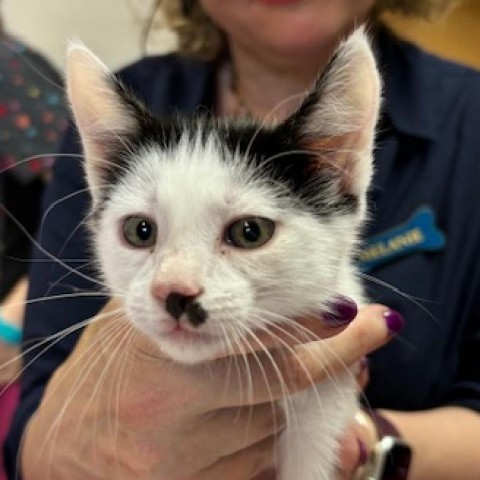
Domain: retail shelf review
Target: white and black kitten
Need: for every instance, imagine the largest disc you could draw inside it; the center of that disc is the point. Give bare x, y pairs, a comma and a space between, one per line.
214, 230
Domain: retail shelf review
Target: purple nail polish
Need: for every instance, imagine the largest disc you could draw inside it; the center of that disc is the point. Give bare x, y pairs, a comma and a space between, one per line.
343, 311
363, 454
394, 320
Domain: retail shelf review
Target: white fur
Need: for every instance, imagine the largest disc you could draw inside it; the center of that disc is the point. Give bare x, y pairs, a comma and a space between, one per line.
192, 194
192, 199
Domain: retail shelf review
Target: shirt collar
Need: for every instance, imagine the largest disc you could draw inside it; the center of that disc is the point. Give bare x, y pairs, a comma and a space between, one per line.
413, 103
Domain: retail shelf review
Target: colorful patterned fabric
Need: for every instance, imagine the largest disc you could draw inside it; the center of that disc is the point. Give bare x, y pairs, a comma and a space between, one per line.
32, 114
32, 121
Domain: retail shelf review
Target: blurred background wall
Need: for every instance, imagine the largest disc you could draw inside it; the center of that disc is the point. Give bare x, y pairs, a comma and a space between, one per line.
456, 37
113, 28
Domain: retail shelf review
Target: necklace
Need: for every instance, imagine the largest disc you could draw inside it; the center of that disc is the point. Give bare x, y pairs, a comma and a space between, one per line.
231, 103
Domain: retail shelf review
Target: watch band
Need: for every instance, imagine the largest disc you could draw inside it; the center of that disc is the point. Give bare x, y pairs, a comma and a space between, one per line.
385, 427
391, 456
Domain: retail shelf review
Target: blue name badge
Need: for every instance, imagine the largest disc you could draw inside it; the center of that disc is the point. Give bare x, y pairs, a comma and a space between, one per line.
418, 234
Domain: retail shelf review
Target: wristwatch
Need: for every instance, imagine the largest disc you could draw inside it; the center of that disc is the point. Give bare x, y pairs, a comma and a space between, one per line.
391, 456
390, 460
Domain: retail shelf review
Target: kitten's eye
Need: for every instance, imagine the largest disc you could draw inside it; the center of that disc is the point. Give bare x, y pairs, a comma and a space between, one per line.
139, 232
252, 232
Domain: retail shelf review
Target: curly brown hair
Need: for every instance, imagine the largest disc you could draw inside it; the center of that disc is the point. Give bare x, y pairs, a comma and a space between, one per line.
200, 38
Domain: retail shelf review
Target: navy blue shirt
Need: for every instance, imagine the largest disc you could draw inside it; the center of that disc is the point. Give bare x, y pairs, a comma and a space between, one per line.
427, 160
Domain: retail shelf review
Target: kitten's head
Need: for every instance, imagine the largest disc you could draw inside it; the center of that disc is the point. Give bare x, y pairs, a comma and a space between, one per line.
213, 231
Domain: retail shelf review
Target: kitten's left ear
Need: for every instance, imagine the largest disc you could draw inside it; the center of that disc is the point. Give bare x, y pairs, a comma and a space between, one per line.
105, 114
337, 120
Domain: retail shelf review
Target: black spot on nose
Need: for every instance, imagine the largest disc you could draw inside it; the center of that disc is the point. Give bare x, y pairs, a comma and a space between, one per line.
196, 314
177, 305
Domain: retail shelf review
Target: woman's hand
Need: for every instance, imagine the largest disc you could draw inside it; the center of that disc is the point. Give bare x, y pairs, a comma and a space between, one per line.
361, 437
118, 409
356, 446
10, 364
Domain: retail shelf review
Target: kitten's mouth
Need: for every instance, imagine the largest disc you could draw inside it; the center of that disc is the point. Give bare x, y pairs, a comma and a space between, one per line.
181, 334
189, 346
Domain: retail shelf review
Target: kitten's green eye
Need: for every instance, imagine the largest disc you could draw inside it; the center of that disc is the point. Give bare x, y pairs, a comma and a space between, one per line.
252, 232
139, 232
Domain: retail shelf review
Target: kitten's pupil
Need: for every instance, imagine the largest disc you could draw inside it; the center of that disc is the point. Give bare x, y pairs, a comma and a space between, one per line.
139, 232
252, 232
144, 230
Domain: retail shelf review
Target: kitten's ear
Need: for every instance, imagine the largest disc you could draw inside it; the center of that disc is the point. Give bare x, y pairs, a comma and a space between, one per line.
337, 119
105, 115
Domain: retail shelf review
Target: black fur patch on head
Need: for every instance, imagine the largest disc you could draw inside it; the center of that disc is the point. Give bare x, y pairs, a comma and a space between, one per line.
122, 148
275, 153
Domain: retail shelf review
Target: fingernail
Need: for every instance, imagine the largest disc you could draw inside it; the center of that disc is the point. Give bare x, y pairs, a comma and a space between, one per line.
394, 320
343, 311
363, 454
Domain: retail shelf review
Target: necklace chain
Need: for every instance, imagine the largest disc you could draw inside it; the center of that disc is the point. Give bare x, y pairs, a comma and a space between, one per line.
232, 103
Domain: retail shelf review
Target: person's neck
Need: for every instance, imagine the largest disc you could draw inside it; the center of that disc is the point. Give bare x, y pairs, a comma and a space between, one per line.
270, 89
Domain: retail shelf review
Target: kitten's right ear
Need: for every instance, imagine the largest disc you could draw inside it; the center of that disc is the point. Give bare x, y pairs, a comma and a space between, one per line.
104, 113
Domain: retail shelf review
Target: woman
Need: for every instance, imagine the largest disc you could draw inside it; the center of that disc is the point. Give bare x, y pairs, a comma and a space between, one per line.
256, 54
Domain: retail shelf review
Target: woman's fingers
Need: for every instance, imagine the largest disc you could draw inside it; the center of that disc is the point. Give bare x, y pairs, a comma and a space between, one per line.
355, 447
264, 375
373, 327
238, 428
269, 375
324, 324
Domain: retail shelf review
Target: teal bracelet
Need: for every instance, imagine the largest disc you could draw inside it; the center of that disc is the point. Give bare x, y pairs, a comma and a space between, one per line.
10, 333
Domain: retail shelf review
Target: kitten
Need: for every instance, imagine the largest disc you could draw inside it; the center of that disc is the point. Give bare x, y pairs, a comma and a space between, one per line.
214, 228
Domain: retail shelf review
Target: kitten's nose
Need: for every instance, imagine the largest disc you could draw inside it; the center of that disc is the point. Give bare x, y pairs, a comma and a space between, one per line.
177, 305
181, 298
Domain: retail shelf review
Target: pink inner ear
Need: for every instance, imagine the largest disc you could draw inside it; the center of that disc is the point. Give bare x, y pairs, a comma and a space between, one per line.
337, 154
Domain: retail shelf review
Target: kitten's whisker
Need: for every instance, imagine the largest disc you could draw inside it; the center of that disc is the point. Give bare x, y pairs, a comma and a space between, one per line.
80, 380
115, 334
276, 320
268, 118
44, 251
47, 395
264, 374
238, 341
415, 300
46, 260
287, 347
245, 342
287, 399
231, 357
61, 297
237, 365
53, 205
58, 282
287, 153
307, 336
39, 341
80, 191
119, 373
330, 376
25, 59
34, 157
57, 337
